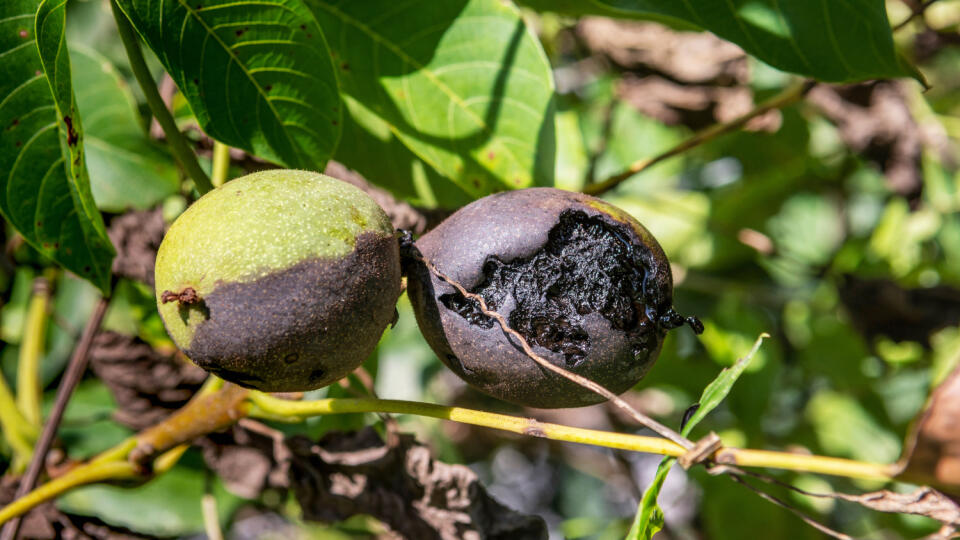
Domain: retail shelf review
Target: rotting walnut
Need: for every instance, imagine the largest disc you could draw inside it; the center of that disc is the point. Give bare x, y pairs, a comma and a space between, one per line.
585, 284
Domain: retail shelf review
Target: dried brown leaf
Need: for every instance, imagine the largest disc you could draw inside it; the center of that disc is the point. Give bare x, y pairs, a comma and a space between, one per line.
136, 236
874, 120
932, 453
924, 501
147, 384
249, 458
881, 307
686, 57
403, 486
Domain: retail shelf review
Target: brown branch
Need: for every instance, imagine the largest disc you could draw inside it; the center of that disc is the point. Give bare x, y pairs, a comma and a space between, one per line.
75, 369
788, 96
779, 502
205, 413
543, 362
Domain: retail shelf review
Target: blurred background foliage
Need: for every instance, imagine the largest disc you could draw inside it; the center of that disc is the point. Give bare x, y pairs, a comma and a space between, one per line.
833, 224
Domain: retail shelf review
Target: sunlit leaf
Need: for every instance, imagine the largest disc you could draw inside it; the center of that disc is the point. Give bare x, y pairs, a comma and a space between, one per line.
470, 92
649, 517
257, 75
44, 186
127, 169
829, 40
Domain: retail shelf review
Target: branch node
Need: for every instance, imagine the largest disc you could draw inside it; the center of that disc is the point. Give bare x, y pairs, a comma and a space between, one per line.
703, 450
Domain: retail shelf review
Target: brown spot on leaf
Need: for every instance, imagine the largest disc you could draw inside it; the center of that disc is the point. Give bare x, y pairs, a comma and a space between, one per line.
23, 33
72, 136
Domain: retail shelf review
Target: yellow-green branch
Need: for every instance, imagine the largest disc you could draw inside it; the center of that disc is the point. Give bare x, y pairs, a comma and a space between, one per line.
216, 408
31, 350
271, 407
98, 470
17, 431
221, 163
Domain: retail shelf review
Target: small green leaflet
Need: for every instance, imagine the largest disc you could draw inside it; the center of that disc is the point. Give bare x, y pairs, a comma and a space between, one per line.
649, 517
470, 92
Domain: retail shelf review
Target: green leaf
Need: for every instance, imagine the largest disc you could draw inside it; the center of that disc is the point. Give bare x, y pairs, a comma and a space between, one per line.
829, 40
395, 168
258, 75
463, 84
127, 169
44, 186
719, 388
649, 517
168, 506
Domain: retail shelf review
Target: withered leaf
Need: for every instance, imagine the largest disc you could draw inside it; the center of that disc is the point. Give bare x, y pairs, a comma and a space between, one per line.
874, 120
248, 458
881, 307
147, 384
932, 453
924, 501
403, 486
136, 236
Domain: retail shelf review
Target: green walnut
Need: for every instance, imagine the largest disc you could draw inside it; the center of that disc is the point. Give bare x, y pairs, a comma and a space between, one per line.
280, 280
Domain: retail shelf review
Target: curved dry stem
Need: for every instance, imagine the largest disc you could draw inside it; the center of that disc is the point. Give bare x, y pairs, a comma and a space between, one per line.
596, 388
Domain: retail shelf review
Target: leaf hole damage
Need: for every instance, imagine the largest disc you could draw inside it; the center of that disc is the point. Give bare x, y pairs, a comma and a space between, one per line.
587, 265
